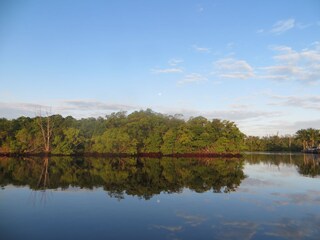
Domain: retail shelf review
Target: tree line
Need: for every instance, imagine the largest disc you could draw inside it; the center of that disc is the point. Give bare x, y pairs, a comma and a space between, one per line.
143, 131
303, 139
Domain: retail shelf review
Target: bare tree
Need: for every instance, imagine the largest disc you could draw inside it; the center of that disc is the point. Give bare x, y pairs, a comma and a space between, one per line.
44, 177
46, 127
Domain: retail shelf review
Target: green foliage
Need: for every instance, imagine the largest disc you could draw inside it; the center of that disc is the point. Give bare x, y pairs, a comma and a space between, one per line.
309, 137
142, 132
70, 141
114, 140
303, 139
169, 141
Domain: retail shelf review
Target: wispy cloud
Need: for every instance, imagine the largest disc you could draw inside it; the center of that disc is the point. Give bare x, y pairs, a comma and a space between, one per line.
303, 66
201, 49
86, 105
276, 126
233, 115
283, 26
307, 102
14, 110
286, 25
233, 68
167, 70
76, 108
193, 78
175, 61
87, 108
300, 25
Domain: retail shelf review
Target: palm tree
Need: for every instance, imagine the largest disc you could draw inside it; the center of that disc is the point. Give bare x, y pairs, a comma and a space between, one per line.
314, 136
309, 137
303, 135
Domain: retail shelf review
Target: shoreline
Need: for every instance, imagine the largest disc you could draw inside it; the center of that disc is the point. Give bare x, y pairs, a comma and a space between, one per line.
148, 155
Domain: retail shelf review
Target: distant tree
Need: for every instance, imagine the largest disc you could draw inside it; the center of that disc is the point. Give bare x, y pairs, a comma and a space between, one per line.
309, 137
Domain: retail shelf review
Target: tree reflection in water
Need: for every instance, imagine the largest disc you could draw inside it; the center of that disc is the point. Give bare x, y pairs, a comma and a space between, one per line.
306, 164
143, 177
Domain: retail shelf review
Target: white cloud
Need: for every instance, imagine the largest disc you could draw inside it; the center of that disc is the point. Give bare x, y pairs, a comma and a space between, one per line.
303, 66
277, 126
307, 102
289, 65
175, 62
286, 54
86, 105
240, 106
167, 70
315, 123
201, 49
87, 108
16, 109
76, 108
233, 68
232, 115
193, 78
283, 26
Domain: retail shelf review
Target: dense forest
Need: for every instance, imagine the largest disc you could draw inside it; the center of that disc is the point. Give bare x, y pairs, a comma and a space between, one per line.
139, 132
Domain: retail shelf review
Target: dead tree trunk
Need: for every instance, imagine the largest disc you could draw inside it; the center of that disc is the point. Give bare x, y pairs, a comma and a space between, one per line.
44, 177
46, 127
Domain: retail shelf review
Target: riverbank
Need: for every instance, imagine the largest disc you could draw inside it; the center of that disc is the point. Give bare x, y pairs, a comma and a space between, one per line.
149, 155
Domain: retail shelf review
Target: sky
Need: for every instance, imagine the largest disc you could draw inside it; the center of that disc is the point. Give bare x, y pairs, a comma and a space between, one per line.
256, 63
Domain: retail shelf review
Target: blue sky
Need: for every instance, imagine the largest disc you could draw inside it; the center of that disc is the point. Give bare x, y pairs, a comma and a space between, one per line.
256, 63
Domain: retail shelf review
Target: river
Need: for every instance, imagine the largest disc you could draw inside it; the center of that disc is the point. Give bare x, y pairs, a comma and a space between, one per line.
258, 196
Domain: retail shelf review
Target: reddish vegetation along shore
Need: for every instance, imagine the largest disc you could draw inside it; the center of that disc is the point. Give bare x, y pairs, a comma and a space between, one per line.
150, 155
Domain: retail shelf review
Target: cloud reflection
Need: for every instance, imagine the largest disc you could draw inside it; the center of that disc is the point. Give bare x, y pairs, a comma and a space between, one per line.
169, 228
309, 197
192, 220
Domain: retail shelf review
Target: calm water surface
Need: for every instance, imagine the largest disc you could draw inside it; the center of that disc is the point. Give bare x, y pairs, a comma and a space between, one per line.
262, 196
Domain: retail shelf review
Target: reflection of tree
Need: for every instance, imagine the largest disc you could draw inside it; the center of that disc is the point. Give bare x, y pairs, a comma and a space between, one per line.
307, 164
141, 177
310, 166
44, 176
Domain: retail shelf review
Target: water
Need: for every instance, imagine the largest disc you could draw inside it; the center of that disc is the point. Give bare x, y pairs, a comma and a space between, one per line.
262, 196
